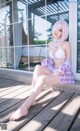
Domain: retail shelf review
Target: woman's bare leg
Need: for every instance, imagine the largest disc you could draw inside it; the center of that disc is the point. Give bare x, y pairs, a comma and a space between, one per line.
39, 70
42, 80
23, 110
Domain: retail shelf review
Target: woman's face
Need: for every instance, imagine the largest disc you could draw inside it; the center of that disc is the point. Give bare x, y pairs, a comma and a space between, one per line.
58, 33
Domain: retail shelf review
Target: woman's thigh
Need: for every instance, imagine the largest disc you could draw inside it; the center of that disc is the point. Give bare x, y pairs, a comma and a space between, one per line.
51, 79
42, 70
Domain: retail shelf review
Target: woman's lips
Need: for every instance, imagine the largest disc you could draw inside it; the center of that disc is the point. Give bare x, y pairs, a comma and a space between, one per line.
55, 34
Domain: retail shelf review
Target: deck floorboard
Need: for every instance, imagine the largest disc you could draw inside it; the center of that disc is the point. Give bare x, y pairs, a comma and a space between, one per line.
56, 110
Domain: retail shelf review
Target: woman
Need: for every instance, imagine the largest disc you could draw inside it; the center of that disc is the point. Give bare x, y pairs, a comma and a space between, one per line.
52, 71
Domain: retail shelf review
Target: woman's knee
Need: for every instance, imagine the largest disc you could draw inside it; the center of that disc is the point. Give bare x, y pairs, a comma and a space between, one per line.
42, 79
38, 68
48, 80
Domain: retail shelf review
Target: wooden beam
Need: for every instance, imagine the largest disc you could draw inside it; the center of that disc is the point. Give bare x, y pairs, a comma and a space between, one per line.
48, 16
41, 3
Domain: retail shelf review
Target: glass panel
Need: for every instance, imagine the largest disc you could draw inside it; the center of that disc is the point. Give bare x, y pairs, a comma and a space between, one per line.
22, 11
32, 54
10, 57
37, 8
57, 10
25, 30
6, 39
3, 59
38, 44
20, 40
7, 57
78, 43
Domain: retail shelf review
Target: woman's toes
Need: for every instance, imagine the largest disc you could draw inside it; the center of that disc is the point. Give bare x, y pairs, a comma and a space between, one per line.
18, 114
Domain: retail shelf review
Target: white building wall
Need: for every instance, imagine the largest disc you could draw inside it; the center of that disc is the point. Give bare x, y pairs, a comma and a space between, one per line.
73, 35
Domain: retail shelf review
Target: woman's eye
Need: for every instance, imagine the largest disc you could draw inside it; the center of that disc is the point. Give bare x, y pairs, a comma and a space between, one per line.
60, 30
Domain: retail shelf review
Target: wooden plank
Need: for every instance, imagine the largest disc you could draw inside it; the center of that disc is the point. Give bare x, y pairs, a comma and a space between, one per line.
11, 85
9, 109
10, 101
76, 124
12, 125
13, 94
6, 114
5, 85
16, 86
45, 116
1, 78
2, 81
17, 76
65, 117
72, 88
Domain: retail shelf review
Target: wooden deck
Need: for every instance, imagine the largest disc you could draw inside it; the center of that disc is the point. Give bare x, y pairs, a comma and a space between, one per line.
56, 110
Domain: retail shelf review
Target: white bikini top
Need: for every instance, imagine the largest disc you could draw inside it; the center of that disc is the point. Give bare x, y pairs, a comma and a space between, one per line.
58, 54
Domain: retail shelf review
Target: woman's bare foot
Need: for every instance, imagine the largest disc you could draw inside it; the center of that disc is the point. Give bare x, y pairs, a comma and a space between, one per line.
22, 111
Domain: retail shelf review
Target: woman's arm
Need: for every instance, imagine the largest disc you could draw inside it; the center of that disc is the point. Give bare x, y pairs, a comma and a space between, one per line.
68, 54
67, 50
67, 64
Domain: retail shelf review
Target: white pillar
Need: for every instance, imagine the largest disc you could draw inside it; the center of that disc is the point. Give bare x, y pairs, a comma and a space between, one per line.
73, 34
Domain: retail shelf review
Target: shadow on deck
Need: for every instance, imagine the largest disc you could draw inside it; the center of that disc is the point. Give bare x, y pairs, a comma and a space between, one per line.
56, 109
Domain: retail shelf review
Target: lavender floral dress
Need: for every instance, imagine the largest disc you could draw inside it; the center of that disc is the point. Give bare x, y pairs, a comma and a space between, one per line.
67, 78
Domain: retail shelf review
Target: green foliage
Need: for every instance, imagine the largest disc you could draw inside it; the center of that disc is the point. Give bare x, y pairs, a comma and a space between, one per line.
40, 41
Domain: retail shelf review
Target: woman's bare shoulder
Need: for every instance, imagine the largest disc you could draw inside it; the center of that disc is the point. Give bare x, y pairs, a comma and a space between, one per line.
66, 44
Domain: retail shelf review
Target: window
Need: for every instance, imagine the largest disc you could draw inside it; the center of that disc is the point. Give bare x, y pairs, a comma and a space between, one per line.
78, 40
27, 31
